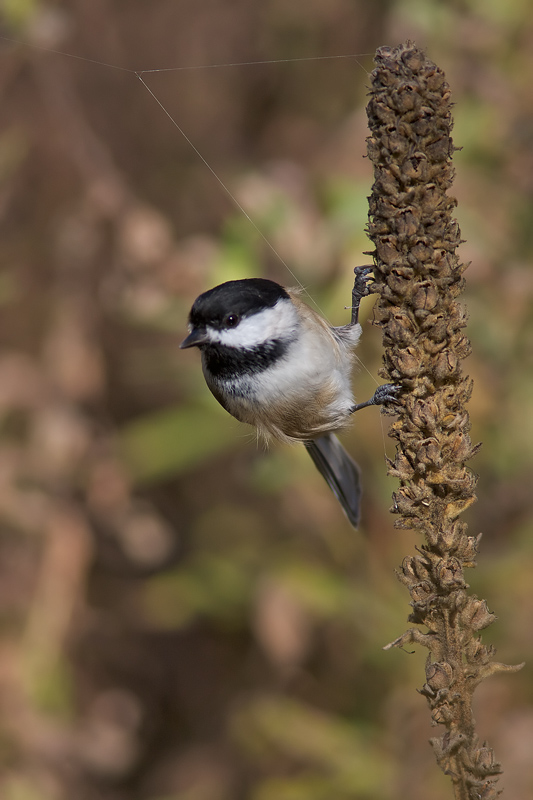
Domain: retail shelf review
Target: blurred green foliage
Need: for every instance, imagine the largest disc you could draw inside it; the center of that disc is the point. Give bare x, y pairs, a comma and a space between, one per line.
19, 13
171, 441
345, 760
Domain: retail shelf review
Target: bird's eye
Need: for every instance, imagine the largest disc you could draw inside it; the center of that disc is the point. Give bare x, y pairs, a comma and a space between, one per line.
231, 320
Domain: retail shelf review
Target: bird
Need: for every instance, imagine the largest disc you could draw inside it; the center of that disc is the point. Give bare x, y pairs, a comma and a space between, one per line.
273, 362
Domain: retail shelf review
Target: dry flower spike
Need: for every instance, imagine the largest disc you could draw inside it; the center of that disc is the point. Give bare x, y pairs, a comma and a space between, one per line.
418, 279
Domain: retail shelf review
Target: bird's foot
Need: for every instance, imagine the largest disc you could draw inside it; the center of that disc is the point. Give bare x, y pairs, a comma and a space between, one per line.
387, 393
361, 288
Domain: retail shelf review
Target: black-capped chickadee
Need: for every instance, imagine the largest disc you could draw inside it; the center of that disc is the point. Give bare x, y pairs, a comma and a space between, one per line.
273, 362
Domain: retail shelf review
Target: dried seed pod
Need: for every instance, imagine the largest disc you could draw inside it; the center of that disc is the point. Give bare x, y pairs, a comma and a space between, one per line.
476, 615
485, 763
439, 675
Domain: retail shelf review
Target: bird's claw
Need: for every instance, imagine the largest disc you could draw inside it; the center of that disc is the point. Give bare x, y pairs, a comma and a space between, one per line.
361, 284
361, 288
387, 393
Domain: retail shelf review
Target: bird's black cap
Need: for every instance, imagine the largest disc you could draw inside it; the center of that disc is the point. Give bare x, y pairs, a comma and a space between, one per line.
242, 298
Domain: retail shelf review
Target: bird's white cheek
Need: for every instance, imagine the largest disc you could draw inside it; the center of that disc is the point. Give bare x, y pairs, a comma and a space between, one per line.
272, 323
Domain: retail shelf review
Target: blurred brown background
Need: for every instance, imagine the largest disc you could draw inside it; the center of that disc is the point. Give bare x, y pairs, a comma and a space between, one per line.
185, 616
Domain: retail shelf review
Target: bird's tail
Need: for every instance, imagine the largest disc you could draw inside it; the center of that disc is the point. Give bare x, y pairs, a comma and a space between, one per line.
340, 471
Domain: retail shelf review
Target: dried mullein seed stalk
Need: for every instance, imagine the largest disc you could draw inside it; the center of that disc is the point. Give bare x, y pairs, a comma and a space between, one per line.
418, 279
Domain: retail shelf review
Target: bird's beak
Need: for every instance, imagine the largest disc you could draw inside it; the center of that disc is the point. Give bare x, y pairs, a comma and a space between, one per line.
196, 337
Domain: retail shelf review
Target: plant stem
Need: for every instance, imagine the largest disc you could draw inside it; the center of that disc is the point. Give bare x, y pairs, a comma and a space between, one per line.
418, 278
